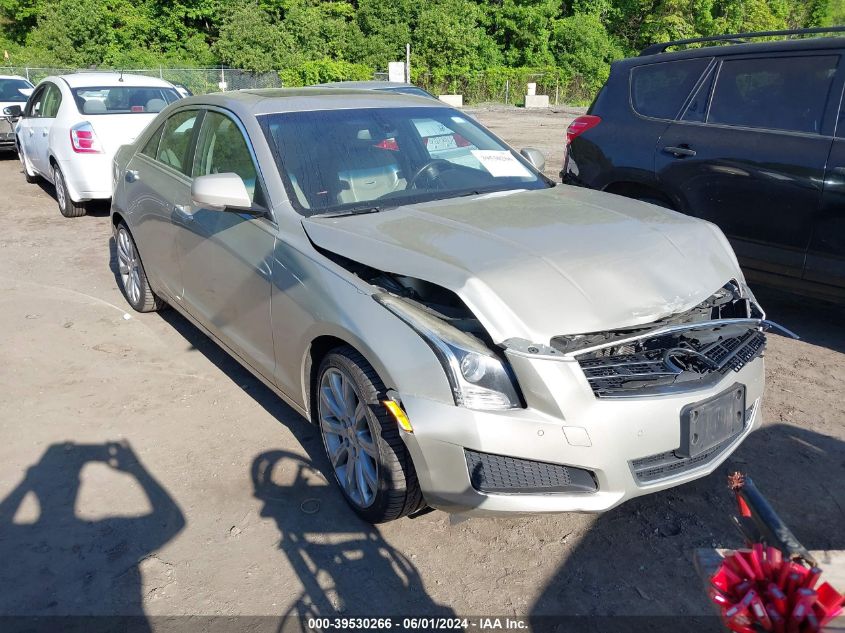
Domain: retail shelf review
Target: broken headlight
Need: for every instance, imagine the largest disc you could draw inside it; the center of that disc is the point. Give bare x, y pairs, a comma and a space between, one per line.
479, 379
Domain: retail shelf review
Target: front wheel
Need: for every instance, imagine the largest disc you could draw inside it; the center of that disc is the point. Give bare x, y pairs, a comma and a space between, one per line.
30, 175
368, 457
67, 207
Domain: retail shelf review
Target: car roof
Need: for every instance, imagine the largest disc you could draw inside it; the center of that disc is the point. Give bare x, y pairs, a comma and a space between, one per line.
367, 85
15, 77
276, 100
779, 46
97, 79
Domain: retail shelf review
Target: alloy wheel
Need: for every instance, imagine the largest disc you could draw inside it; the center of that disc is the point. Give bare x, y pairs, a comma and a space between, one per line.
59, 183
128, 265
348, 438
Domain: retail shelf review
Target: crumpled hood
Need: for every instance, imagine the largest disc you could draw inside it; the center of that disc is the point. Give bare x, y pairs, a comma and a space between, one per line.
538, 264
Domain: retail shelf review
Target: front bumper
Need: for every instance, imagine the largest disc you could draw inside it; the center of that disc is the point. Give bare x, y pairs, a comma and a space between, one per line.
569, 426
7, 133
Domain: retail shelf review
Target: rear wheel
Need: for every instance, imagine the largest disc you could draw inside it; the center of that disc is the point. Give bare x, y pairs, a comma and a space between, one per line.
368, 457
133, 278
68, 207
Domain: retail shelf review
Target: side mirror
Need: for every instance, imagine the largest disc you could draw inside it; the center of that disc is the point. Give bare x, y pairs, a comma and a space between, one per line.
220, 192
13, 111
535, 157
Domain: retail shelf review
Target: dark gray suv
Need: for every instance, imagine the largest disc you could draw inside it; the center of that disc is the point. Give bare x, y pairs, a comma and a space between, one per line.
747, 136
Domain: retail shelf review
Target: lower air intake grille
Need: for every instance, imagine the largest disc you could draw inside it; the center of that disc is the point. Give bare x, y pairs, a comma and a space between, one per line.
503, 474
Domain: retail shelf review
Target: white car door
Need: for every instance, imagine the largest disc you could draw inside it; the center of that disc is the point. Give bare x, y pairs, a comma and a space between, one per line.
40, 157
26, 129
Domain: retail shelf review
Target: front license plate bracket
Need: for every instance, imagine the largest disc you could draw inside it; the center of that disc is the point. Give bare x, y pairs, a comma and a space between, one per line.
710, 422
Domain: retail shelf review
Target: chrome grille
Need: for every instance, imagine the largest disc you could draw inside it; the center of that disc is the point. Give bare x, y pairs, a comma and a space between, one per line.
667, 362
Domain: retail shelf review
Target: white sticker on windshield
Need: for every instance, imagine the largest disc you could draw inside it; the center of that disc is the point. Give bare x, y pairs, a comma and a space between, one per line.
501, 164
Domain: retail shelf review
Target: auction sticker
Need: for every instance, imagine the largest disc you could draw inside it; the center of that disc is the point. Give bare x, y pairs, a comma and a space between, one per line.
501, 164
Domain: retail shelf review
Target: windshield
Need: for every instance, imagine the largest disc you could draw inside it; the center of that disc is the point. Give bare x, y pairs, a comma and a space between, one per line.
123, 99
346, 160
15, 90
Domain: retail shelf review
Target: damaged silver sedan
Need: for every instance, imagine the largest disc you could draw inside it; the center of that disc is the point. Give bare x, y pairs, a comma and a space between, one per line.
465, 334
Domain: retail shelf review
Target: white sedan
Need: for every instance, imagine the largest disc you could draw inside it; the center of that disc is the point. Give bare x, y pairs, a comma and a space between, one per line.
73, 125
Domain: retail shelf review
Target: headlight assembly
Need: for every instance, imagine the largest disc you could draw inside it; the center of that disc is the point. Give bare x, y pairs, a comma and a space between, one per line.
479, 378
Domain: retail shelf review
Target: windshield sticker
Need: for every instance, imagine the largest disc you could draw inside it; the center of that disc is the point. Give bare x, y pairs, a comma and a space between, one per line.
440, 143
501, 164
429, 127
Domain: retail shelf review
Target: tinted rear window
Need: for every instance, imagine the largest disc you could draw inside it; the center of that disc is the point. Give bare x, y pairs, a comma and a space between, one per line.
123, 99
659, 90
779, 93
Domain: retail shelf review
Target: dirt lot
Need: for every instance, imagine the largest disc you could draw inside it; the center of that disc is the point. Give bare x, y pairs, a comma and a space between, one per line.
129, 444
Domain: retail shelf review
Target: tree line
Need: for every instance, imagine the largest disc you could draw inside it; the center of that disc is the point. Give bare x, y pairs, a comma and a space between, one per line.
324, 40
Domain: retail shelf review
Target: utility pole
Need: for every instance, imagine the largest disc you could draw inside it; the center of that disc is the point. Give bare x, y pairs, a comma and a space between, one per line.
407, 63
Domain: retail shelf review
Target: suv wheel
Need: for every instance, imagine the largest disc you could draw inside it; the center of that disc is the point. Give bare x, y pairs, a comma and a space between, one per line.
366, 453
133, 278
68, 207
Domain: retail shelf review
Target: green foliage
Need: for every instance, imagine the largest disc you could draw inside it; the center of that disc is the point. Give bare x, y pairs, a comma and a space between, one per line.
323, 71
476, 47
581, 44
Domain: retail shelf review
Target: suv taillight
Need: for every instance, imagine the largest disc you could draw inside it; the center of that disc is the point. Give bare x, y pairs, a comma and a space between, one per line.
83, 140
580, 125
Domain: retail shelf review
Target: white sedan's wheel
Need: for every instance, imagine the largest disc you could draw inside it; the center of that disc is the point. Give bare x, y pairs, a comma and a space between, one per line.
67, 207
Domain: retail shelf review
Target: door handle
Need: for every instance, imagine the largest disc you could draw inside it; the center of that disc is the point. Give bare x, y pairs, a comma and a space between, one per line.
44, 132
184, 212
679, 152
132, 175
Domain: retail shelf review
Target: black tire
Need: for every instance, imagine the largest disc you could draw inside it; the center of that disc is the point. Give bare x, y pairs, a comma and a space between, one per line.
398, 492
144, 299
67, 207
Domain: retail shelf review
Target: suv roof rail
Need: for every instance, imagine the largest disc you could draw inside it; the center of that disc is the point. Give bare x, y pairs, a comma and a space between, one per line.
738, 38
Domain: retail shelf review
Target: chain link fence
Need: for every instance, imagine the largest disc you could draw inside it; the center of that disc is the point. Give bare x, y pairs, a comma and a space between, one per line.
507, 85
495, 85
197, 80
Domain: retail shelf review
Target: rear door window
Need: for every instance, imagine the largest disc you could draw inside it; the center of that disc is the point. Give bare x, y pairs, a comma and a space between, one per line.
775, 93
174, 149
52, 101
659, 90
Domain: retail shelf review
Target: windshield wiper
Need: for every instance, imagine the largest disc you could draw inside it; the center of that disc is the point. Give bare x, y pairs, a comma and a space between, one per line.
340, 214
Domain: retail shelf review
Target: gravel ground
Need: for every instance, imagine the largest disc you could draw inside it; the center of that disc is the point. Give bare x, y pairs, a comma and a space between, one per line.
134, 454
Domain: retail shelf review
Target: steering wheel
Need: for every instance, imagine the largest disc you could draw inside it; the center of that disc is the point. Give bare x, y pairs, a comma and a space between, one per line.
432, 169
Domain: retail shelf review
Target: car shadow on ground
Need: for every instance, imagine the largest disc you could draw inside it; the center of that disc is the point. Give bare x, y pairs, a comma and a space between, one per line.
60, 559
611, 571
344, 565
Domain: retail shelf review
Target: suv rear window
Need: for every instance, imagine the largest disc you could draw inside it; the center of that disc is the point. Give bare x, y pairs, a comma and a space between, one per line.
777, 93
659, 90
123, 99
